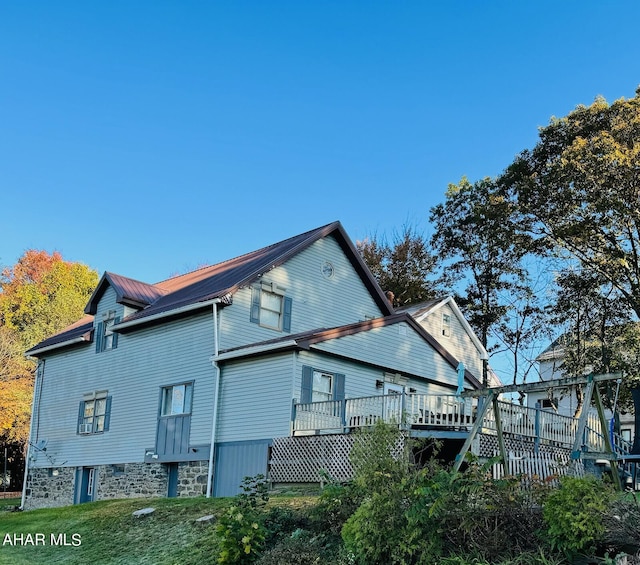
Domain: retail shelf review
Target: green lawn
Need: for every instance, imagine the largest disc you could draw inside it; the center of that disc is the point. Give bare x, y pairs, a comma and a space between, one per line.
106, 532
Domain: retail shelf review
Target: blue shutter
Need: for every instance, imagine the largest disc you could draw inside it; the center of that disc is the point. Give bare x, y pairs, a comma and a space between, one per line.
80, 416
307, 384
255, 305
114, 335
99, 333
338, 386
107, 414
286, 318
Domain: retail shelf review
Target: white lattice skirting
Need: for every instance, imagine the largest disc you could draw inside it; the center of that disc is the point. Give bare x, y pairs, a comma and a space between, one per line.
303, 459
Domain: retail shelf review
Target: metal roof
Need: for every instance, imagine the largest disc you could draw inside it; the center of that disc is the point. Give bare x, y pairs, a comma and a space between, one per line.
77, 332
172, 296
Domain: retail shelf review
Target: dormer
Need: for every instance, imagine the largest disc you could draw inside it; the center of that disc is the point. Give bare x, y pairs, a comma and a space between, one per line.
115, 298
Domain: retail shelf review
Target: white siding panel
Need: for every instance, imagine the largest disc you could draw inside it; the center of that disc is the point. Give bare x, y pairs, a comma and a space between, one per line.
318, 302
133, 374
459, 343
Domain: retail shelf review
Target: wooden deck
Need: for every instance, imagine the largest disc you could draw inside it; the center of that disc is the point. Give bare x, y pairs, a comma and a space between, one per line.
424, 414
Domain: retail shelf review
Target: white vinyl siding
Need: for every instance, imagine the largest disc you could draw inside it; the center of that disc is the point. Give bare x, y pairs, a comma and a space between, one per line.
458, 342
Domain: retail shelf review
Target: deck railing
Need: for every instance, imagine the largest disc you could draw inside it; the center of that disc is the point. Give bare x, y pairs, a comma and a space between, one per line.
441, 412
402, 409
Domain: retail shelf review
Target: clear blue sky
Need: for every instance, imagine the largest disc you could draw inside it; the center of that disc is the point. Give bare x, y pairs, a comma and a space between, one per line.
150, 137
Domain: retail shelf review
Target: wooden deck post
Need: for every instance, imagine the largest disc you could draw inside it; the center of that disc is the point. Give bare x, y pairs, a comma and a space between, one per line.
607, 440
477, 425
536, 439
501, 446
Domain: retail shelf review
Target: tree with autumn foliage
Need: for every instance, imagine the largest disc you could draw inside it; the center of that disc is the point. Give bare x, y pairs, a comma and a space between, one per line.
39, 296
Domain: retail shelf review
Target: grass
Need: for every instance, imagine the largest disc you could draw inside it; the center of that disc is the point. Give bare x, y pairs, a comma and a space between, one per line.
108, 533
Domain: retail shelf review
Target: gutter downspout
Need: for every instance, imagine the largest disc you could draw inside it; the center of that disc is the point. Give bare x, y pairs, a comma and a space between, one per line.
214, 422
37, 382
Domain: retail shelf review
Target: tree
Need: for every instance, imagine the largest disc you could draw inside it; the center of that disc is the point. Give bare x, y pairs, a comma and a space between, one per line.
476, 231
39, 296
16, 387
402, 267
579, 188
592, 316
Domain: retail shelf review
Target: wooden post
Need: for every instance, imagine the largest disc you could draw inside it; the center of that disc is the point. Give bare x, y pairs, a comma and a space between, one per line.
582, 422
482, 410
501, 446
536, 440
607, 440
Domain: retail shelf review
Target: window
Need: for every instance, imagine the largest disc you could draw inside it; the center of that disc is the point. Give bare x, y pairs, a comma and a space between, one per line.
176, 399
270, 307
319, 385
626, 434
118, 470
550, 403
446, 325
94, 413
105, 337
322, 387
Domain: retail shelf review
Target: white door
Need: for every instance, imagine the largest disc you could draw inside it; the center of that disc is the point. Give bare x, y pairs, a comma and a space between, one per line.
392, 408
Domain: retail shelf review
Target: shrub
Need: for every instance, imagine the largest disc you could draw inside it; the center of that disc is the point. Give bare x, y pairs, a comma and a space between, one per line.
574, 515
337, 502
240, 528
241, 536
392, 524
281, 522
301, 548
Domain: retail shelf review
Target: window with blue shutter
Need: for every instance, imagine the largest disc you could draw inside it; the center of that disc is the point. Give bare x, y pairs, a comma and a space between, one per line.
105, 337
270, 308
319, 386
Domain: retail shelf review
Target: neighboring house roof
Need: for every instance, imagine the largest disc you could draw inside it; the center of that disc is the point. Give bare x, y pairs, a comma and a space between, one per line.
198, 288
554, 351
423, 310
307, 339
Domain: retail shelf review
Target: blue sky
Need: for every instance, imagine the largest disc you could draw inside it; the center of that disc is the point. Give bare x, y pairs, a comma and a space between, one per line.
150, 138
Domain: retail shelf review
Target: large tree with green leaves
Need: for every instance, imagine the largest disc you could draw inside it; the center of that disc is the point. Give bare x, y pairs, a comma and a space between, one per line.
482, 251
403, 266
579, 187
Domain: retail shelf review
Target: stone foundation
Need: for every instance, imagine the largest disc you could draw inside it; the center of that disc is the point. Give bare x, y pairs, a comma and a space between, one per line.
49, 488
53, 487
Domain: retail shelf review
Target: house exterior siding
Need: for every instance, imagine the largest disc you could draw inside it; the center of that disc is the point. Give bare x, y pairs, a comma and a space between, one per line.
396, 347
133, 374
165, 353
458, 342
318, 301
